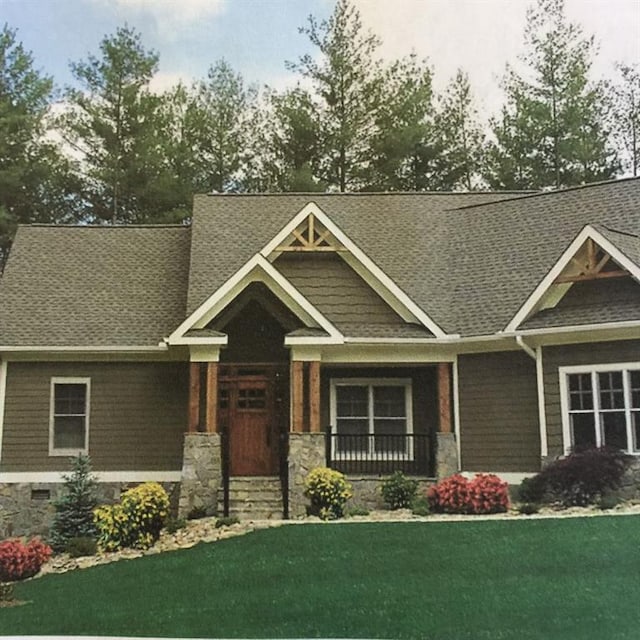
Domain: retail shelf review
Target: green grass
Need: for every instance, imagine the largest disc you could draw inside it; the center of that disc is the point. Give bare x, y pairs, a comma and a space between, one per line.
571, 578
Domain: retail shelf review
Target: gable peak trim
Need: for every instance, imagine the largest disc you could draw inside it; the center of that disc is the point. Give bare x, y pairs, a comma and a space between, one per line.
589, 239
312, 214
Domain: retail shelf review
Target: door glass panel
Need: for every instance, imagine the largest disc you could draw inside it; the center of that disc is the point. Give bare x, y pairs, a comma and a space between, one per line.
252, 398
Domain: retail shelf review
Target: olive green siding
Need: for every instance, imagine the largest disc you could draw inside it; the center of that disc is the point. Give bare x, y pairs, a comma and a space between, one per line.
137, 415
335, 289
498, 403
572, 355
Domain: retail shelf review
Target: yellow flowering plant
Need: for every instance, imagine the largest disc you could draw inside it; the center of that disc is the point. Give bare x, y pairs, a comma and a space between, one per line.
135, 521
328, 491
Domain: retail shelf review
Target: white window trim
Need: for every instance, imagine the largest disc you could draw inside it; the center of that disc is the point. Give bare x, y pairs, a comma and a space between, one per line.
69, 380
406, 383
593, 370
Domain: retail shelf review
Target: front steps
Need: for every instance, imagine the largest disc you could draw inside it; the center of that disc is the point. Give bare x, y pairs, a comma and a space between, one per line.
253, 498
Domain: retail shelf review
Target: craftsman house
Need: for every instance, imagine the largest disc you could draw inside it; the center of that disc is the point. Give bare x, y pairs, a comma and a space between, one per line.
371, 332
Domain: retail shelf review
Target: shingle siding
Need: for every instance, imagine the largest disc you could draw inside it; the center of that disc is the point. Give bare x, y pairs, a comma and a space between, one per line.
137, 415
623, 351
498, 412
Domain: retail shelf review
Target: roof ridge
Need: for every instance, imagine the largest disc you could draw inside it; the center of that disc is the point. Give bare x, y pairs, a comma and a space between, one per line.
618, 231
551, 192
54, 225
289, 194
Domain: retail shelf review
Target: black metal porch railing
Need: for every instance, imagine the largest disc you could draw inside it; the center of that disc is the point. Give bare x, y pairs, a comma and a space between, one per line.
377, 454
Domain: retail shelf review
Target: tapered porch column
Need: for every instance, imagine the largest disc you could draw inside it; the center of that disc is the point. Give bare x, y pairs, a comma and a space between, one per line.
211, 412
446, 448
194, 396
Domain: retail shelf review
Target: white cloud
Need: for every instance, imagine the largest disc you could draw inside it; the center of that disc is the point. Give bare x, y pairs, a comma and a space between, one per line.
162, 81
481, 36
170, 14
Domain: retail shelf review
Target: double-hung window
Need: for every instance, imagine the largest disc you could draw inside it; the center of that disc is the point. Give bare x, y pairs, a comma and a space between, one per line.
601, 406
371, 418
69, 416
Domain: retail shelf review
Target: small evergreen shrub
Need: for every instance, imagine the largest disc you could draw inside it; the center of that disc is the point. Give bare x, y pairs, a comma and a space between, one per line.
328, 491
82, 546
420, 506
135, 521
610, 501
197, 513
175, 524
486, 493
579, 479
398, 491
358, 511
74, 508
19, 560
528, 508
226, 521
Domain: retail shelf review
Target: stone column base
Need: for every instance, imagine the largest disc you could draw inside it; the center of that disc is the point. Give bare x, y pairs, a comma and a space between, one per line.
201, 473
446, 455
306, 452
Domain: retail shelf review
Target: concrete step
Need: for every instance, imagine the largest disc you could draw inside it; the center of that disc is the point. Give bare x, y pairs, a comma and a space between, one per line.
254, 498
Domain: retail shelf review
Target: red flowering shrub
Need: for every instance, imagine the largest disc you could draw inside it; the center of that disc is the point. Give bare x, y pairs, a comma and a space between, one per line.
19, 560
486, 493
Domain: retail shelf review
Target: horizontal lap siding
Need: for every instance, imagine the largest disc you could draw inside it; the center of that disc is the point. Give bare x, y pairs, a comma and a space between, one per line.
136, 423
498, 412
622, 351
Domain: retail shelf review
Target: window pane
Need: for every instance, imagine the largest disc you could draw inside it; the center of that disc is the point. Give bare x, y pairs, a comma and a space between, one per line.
389, 402
635, 429
68, 432
354, 435
614, 429
611, 391
390, 435
583, 428
70, 398
352, 401
580, 392
635, 389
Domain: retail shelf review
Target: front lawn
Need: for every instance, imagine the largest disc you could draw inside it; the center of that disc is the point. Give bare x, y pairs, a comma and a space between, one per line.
568, 578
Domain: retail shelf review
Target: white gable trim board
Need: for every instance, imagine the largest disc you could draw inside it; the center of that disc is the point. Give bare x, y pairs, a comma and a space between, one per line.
533, 302
358, 260
258, 269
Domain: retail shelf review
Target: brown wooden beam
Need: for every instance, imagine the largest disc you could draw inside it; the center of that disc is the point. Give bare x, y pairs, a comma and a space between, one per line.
444, 397
314, 397
297, 396
194, 396
212, 398
591, 276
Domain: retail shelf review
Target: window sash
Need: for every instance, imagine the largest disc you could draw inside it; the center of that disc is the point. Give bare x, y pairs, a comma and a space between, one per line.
371, 448
617, 402
62, 419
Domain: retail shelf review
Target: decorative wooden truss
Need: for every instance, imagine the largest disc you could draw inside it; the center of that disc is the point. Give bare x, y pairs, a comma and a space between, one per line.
311, 235
591, 262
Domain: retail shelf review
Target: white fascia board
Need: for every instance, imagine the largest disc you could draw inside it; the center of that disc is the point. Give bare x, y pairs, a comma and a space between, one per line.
84, 349
411, 310
257, 269
46, 477
212, 341
623, 324
310, 340
587, 232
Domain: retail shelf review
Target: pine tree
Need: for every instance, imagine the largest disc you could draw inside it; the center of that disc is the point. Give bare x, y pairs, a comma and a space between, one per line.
553, 127
74, 508
626, 116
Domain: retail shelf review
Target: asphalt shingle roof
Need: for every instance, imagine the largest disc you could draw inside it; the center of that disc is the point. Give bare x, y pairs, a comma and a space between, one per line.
94, 286
468, 260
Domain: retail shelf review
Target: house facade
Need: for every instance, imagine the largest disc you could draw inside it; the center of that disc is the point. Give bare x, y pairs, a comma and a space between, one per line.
433, 333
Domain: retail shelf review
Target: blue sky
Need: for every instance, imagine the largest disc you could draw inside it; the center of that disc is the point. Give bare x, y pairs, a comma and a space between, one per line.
257, 36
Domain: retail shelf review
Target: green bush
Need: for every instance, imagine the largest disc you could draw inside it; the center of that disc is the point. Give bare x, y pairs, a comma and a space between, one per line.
175, 524
328, 491
197, 513
420, 506
398, 491
226, 521
610, 501
579, 479
135, 521
74, 508
528, 508
358, 511
82, 546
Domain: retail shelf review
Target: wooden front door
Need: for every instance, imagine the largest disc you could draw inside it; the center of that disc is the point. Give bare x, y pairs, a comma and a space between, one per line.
250, 413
